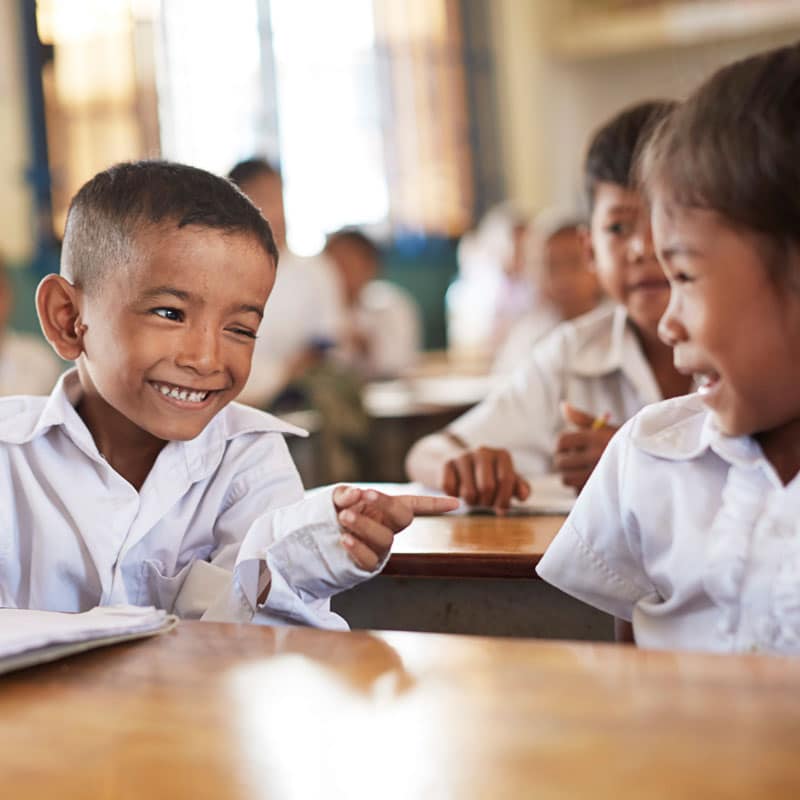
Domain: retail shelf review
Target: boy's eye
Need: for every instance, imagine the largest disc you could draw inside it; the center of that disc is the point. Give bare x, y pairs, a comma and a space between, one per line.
618, 228
682, 277
243, 332
172, 314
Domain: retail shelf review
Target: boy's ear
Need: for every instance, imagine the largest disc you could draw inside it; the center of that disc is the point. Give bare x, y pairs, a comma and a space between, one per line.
586, 240
59, 316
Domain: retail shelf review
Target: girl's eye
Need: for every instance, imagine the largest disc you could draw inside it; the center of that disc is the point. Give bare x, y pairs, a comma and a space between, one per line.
172, 314
682, 277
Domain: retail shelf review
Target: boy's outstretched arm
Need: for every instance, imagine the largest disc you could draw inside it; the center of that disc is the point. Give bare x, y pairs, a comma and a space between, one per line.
369, 520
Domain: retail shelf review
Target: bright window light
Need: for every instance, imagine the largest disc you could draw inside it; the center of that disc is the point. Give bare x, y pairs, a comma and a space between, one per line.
328, 117
209, 88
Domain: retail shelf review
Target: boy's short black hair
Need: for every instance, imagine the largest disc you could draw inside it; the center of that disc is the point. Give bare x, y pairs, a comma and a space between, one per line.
355, 237
110, 212
250, 168
614, 147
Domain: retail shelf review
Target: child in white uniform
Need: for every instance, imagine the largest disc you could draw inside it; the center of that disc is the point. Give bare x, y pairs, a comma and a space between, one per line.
27, 364
690, 525
137, 481
605, 365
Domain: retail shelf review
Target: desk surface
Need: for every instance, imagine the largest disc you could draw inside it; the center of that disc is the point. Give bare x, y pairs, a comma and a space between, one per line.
225, 711
457, 546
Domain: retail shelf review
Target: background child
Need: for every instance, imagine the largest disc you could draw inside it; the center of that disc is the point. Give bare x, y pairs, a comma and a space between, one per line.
138, 480
609, 362
564, 277
382, 331
307, 314
27, 365
689, 525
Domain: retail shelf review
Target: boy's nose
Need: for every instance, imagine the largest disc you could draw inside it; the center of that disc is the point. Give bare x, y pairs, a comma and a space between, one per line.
640, 244
200, 351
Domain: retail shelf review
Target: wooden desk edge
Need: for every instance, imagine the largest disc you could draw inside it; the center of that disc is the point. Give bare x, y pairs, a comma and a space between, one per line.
462, 565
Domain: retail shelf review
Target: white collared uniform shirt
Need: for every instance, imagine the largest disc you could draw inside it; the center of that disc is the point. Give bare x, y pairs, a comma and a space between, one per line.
594, 362
75, 534
688, 533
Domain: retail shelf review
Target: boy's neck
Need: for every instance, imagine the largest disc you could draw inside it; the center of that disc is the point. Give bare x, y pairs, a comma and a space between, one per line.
129, 450
660, 357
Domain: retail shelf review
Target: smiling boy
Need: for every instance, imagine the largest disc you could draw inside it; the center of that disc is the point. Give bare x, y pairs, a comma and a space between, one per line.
137, 481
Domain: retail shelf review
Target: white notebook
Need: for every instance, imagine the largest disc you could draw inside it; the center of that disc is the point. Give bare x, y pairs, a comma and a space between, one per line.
34, 637
548, 496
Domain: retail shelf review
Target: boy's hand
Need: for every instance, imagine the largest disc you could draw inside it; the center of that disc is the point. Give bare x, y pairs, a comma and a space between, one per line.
484, 476
370, 519
577, 452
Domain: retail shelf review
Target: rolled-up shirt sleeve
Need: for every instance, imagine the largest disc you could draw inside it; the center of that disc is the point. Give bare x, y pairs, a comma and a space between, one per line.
269, 538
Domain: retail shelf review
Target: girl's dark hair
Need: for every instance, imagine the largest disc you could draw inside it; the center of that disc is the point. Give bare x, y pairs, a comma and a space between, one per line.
614, 148
734, 147
109, 214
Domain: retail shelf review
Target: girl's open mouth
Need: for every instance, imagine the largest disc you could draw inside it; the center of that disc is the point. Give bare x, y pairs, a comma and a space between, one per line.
706, 382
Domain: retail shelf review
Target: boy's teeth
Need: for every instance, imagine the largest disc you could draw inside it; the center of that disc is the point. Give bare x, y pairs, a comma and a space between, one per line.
182, 394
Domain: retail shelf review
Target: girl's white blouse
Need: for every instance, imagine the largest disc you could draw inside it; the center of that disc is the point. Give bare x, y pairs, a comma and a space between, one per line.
75, 534
688, 533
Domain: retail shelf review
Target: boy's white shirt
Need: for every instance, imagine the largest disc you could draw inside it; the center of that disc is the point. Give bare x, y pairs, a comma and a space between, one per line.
595, 362
688, 533
75, 534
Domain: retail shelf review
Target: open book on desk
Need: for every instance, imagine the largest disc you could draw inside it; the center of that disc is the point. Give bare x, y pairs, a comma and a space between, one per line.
548, 496
36, 637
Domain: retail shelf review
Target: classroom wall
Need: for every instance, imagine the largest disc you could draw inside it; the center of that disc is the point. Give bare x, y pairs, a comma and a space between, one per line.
16, 229
550, 105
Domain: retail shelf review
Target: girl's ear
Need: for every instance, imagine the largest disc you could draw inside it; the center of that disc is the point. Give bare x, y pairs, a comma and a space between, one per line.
586, 240
59, 316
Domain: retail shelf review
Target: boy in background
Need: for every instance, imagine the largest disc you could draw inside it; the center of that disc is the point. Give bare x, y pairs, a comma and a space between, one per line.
382, 329
306, 314
564, 277
559, 410
138, 480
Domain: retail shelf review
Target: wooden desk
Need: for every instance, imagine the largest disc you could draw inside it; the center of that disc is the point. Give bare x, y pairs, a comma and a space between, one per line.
472, 546
471, 574
229, 712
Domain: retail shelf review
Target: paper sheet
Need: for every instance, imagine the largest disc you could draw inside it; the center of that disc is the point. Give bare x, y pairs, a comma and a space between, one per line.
31, 637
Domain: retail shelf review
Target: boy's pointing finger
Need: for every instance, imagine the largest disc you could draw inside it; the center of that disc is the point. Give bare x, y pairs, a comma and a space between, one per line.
426, 505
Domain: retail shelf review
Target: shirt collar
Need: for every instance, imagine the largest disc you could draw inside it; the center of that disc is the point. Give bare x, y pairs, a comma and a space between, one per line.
683, 429
35, 416
603, 351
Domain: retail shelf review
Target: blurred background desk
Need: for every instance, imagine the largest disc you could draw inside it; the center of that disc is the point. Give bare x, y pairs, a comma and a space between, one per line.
471, 574
403, 411
236, 711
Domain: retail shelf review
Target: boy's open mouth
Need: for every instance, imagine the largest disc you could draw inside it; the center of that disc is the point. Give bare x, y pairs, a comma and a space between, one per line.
182, 393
